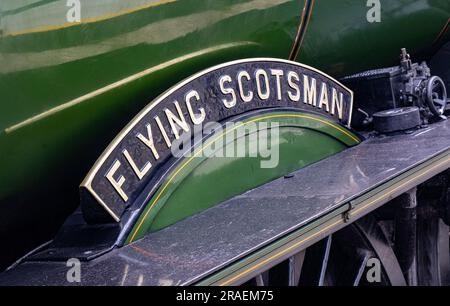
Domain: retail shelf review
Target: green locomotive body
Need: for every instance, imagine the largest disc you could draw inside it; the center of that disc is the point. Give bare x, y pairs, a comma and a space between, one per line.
74, 73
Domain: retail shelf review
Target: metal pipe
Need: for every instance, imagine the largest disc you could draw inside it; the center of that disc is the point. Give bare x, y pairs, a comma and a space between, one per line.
406, 235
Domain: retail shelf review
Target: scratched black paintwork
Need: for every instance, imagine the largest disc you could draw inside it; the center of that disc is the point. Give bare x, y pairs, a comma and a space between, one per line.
201, 244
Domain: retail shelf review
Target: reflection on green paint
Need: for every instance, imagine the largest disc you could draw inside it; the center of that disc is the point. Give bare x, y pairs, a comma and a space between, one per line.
86, 82
199, 183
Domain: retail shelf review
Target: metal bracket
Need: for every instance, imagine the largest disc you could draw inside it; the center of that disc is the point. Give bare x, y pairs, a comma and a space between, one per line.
347, 214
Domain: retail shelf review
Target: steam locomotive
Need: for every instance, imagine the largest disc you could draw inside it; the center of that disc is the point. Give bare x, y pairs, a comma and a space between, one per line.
351, 96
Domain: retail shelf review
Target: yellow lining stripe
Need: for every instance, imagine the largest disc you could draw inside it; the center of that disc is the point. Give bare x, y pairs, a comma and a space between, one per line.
86, 183
447, 159
303, 27
331, 225
121, 82
442, 32
212, 141
89, 20
281, 253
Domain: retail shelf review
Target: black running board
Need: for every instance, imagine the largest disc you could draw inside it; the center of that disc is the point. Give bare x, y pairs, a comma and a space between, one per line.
236, 240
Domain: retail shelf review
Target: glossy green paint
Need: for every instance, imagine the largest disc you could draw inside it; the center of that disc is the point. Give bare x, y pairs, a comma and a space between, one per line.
63, 77
340, 41
200, 182
67, 89
73, 77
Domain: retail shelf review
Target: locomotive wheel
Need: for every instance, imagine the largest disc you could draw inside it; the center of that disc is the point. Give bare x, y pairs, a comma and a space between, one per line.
340, 259
351, 256
350, 252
